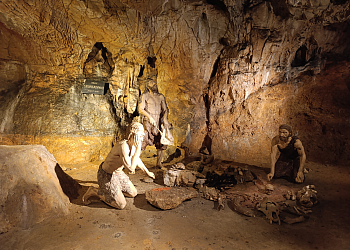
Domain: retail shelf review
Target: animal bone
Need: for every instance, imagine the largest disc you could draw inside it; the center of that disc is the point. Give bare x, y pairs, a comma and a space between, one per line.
269, 189
221, 201
307, 197
270, 209
241, 209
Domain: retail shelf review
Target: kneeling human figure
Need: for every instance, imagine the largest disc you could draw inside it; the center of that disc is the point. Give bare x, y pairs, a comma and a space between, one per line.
113, 182
287, 156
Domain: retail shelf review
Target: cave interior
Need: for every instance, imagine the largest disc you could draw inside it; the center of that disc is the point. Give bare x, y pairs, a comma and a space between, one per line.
232, 71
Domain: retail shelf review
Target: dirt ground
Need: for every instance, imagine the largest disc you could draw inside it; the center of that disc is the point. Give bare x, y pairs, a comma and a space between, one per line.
195, 224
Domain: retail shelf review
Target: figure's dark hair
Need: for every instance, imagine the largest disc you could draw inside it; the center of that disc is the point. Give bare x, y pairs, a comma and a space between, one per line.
287, 127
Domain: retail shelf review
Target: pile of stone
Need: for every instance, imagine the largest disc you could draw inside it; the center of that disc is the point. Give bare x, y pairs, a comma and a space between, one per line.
206, 180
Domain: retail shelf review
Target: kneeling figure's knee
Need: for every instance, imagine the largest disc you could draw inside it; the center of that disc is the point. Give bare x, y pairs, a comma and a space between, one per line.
133, 193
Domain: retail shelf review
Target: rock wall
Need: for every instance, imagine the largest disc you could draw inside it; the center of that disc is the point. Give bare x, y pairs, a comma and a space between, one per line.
285, 62
231, 71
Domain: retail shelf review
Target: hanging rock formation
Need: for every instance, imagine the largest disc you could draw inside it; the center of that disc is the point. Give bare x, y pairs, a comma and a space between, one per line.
232, 71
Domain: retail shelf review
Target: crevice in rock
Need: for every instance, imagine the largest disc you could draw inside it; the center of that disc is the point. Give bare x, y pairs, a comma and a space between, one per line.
207, 106
217, 4
338, 2
6, 124
142, 68
151, 60
300, 57
205, 18
215, 67
207, 142
224, 41
206, 145
280, 8
135, 114
112, 104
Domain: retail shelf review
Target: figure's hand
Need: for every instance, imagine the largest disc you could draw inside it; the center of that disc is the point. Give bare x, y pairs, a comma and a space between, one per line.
132, 172
300, 177
137, 141
151, 174
152, 121
270, 176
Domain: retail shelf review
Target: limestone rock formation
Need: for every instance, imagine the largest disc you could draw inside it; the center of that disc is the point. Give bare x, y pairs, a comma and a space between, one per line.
279, 58
169, 198
60, 44
231, 71
30, 188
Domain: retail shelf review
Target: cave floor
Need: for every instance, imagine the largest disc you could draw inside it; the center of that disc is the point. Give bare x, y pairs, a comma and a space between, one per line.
195, 224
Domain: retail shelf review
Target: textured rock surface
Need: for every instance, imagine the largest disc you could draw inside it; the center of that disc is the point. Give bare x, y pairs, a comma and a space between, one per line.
176, 177
30, 189
285, 63
67, 149
58, 45
169, 198
231, 71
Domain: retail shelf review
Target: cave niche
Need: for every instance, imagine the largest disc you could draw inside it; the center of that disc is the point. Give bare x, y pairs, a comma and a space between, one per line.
99, 62
300, 57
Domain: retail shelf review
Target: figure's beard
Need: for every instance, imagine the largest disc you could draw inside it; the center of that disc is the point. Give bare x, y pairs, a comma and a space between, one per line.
153, 89
283, 138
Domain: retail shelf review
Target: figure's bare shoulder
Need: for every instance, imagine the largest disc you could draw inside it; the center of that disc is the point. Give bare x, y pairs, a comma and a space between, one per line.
122, 146
144, 95
161, 97
298, 144
275, 141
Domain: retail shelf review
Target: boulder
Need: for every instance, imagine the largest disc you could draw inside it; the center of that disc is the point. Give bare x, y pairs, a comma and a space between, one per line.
169, 198
30, 188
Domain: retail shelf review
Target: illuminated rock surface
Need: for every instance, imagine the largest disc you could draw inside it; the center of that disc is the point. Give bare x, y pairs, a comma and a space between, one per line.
30, 188
231, 71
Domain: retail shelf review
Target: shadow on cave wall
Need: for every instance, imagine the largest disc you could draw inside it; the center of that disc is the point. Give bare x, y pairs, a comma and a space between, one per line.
319, 112
306, 53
